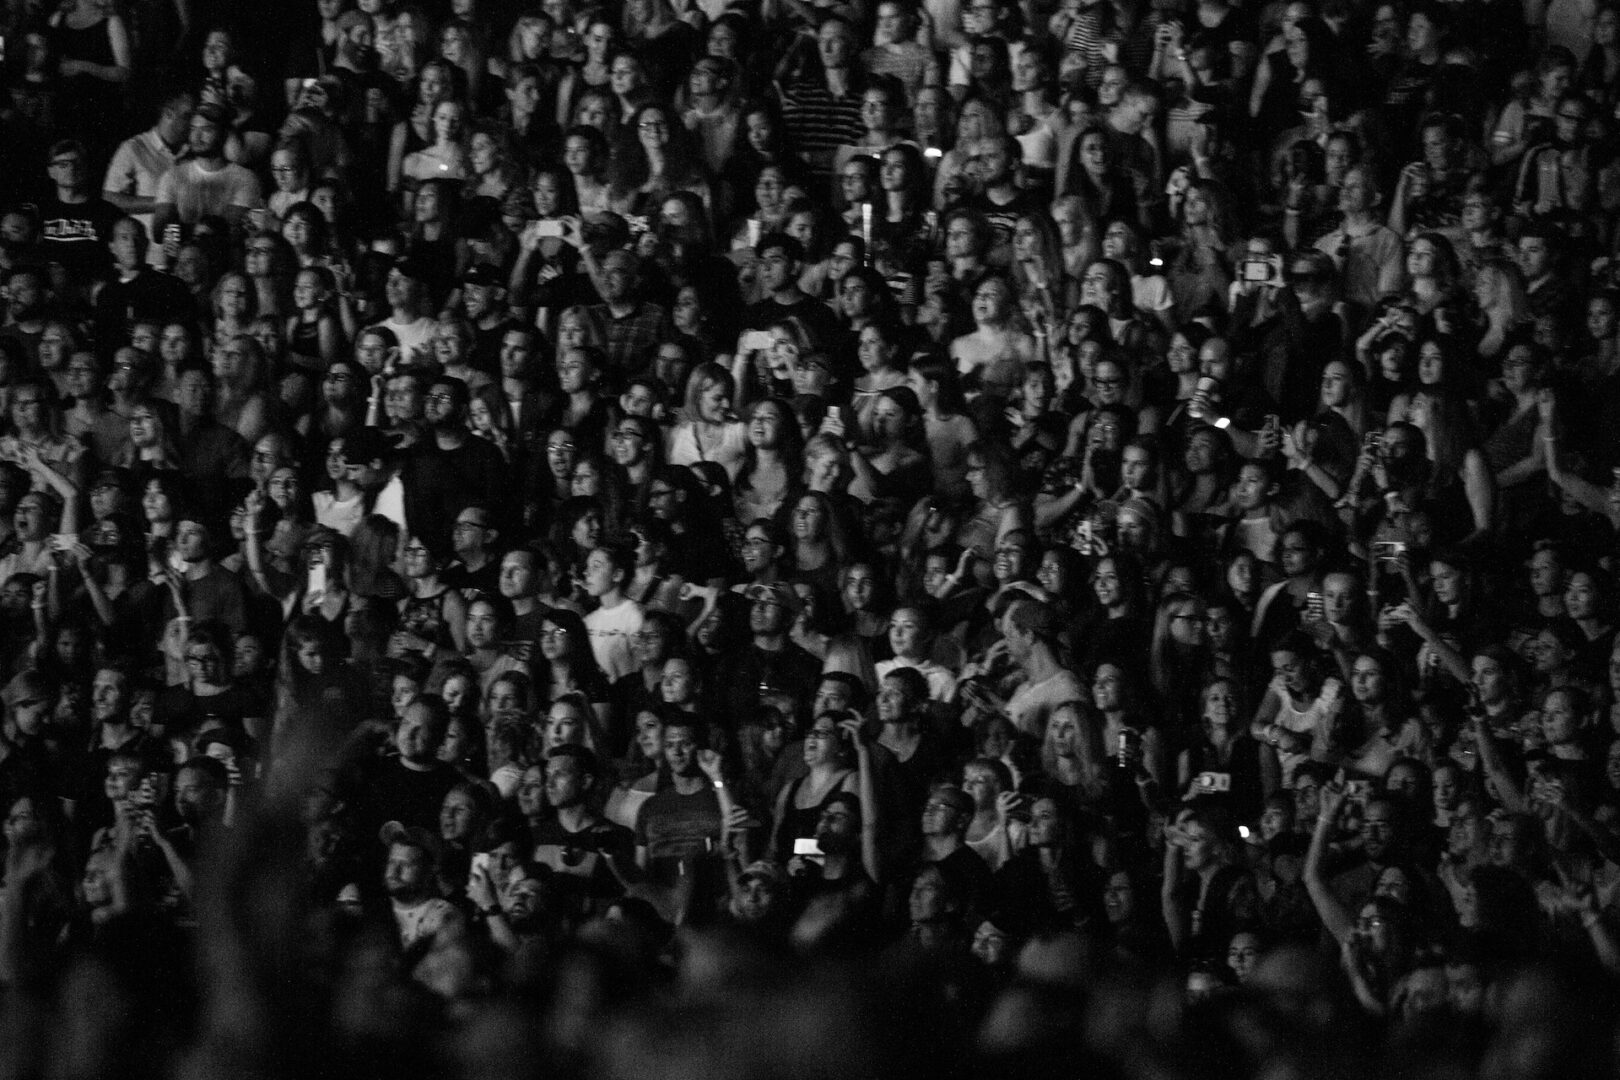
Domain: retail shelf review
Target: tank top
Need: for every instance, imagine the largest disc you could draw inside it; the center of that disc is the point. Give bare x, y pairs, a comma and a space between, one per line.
796, 822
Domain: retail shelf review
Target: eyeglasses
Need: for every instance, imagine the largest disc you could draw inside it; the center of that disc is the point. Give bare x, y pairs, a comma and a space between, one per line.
441, 399
561, 448
626, 435
554, 632
653, 125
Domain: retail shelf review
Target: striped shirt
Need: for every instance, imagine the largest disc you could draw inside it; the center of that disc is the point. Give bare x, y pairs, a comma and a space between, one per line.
820, 123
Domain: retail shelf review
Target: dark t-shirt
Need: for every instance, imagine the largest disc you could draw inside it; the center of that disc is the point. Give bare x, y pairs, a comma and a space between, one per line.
578, 860
397, 793
76, 235
675, 827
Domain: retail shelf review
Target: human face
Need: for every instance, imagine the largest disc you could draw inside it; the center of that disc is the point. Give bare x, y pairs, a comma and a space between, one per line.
406, 874
1118, 898
1581, 596
1378, 830
1296, 555
1242, 954
564, 726
1108, 688
601, 577
990, 303
1063, 732
1291, 667
566, 782
1187, 625
1198, 848
458, 815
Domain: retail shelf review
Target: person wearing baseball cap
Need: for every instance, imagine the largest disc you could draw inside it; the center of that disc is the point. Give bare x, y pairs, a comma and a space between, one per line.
206, 184
771, 661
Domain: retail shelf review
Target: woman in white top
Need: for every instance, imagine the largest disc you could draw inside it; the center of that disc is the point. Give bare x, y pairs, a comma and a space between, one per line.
709, 432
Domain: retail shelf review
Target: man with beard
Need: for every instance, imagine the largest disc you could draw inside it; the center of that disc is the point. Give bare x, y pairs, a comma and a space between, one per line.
578, 844
450, 469
769, 661
1383, 844
205, 184
840, 895
410, 878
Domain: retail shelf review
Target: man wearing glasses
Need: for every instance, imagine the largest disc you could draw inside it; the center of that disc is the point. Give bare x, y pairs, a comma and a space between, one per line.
76, 223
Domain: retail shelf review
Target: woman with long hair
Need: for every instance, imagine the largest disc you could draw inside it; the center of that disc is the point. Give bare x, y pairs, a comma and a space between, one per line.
445, 155
1454, 455
1224, 745
818, 546
892, 463
1073, 758
1504, 307
772, 461
655, 161
242, 400
1201, 273
901, 217
1179, 660
436, 83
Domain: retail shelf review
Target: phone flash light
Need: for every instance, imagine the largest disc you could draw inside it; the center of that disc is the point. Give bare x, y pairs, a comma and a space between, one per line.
1243, 831
1155, 261
933, 152
1223, 422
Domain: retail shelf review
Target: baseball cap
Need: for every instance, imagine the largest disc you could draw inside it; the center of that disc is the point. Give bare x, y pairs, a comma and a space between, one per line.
774, 593
111, 478
483, 275
213, 112
394, 832
766, 871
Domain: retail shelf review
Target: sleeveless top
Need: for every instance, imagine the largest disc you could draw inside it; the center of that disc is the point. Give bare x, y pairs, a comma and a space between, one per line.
797, 822
304, 343
424, 617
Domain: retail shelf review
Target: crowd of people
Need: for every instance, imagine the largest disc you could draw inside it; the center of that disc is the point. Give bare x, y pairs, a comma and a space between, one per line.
810, 537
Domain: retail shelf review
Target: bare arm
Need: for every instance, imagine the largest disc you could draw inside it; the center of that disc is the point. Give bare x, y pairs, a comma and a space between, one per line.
1335, 917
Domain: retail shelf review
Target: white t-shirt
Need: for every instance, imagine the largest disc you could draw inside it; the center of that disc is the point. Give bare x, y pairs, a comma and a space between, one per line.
1033, 703
197, 192
611, 630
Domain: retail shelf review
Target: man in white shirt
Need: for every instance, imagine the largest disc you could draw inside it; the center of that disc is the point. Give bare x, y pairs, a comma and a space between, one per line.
206, 185
141, 160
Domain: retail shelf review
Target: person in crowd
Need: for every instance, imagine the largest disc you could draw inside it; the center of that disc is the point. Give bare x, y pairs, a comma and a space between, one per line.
796, 507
